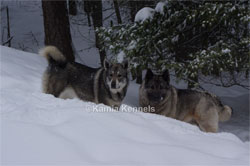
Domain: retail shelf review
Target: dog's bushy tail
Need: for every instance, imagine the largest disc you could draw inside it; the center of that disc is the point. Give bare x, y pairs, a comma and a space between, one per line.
53, 55
225, 113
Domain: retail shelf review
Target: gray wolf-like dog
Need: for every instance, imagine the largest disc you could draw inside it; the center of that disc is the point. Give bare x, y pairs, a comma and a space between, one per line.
65, 79
195, 107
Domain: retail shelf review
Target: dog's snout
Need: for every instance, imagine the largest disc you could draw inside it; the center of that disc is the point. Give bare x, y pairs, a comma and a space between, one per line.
113, 84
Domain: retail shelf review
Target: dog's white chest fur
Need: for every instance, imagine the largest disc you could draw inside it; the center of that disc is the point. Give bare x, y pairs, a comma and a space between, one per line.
68, 93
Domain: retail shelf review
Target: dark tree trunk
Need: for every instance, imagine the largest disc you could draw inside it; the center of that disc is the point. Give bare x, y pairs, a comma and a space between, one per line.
94, 8
87, 9
57, 28
133, 9
117, 11
139, 77
72, 7
8, 26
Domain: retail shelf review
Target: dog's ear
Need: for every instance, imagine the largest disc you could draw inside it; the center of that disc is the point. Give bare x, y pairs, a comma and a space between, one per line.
125, 64
149, 75
106, 64
166, 76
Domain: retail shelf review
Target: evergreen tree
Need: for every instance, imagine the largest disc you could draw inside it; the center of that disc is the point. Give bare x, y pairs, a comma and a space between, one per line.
189, 37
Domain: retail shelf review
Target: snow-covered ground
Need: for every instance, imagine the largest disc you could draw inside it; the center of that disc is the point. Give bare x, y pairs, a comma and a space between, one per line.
37, 128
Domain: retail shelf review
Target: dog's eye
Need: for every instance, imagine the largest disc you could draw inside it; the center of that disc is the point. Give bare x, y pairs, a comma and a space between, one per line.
111, 75
119, 75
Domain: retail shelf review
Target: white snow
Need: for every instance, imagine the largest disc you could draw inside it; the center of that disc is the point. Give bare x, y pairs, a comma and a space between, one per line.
226, 50
144, 14
38, 128
148, 13
120, 57
160, 7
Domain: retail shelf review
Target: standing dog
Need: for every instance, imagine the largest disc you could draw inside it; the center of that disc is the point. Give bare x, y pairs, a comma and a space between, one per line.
200, 108
65, 79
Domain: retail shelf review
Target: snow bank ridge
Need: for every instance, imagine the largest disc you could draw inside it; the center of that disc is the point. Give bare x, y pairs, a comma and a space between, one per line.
148, 13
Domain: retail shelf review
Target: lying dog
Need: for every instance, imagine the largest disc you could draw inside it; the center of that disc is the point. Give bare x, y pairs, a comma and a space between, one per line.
201, 108
65, 79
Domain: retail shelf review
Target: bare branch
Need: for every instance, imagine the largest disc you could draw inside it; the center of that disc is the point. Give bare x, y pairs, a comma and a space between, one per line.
9, 40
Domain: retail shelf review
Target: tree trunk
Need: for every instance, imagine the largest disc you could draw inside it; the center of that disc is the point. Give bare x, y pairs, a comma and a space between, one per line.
133, 9
139, 77
57, 28
117, 11
96, 14
8, 26
72, 7
87, 9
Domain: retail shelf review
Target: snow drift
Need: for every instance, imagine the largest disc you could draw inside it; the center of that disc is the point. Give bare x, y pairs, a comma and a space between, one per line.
37, 128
